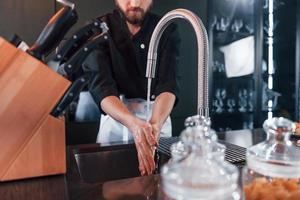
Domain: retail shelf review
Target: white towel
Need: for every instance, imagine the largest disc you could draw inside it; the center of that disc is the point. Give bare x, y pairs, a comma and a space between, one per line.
239, 57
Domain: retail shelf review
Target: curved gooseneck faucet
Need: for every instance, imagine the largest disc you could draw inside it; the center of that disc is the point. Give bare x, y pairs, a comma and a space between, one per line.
203, 51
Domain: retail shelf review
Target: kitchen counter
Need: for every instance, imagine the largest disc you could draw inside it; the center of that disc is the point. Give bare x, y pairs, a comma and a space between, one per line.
100, 167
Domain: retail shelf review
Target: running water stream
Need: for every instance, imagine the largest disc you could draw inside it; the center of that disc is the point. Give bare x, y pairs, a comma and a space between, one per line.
149, 114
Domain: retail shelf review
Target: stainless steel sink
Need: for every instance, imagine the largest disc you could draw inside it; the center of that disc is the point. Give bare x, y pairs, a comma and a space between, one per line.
109, 162
105, 163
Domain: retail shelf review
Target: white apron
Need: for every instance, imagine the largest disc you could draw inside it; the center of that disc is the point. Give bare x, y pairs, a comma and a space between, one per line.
87, 110
111, 130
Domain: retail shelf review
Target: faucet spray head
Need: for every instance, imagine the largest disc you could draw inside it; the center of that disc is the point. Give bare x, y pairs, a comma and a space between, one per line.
151, 61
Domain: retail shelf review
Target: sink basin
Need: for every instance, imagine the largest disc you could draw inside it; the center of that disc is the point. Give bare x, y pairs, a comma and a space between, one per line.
105, 163
109, 162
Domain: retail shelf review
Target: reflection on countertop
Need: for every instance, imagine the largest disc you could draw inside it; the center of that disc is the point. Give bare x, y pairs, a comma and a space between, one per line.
134, 188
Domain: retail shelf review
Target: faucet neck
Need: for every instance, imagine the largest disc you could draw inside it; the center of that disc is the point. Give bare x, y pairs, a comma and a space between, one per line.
203, 53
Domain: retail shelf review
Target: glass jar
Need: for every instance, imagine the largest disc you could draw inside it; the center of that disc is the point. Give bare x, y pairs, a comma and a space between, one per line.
179, 151
273, 166
202, 174
194, 124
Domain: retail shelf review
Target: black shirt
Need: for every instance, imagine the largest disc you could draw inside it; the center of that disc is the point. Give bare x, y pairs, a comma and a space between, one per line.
121, 64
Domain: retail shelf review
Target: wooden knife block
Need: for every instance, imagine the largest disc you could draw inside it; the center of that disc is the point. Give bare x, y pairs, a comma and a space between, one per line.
32, 142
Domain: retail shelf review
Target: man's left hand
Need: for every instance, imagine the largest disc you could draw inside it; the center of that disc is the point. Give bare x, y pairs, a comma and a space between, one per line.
156, 128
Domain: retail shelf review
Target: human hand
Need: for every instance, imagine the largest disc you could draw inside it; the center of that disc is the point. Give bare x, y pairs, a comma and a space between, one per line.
144, 142
156, 128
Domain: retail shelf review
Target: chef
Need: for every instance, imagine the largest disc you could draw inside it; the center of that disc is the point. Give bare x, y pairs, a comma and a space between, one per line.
120, 85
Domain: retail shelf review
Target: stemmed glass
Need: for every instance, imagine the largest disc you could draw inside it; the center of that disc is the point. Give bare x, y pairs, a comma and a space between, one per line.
249, 28
231, 105
218, 103
243, 100
224, 23
237, 25
214, 21
218, 67
250, 100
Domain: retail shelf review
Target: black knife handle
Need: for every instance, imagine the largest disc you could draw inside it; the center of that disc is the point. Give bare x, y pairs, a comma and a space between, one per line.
15, 40
75, 63
78, 39
71, 94
53, 32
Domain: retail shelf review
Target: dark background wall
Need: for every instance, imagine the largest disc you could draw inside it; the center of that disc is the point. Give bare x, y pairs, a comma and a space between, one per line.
28, 17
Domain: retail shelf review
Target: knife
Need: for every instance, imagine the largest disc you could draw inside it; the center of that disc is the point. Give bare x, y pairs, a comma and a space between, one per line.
78, 39
71, 94
54, 31
74, 64
15, 40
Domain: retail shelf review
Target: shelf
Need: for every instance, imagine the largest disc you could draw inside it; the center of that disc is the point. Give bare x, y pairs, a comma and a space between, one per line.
230, 114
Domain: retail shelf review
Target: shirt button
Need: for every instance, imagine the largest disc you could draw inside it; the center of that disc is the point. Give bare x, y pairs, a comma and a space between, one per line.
142, 46
153, 97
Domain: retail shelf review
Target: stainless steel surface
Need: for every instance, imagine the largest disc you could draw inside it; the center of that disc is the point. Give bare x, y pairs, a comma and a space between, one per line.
233, 153
101, 164
202, 40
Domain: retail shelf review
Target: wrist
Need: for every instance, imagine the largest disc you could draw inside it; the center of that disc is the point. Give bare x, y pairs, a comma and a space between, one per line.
157, 123
131, 123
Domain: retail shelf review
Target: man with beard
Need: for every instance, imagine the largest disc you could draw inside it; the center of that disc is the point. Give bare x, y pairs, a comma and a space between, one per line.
120, 86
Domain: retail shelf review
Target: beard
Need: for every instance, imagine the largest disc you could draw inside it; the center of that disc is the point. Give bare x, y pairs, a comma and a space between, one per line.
134, 15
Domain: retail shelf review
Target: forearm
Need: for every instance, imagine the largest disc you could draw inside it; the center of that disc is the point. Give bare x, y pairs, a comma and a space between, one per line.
162, 108
114, 107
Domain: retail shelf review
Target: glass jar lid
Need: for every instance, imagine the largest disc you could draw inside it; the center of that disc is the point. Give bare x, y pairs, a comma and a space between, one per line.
277, 156
179, 151
203, 140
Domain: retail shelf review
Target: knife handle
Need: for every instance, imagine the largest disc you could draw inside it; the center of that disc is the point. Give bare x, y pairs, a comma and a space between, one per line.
15, 40
71, 94
53, 32
75, 63
78, 39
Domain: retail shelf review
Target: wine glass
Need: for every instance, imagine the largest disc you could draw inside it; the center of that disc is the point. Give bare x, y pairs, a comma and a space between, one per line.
224, 23
231, 105
237, 25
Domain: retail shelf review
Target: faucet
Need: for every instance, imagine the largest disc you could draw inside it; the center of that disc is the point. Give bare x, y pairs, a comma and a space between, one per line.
203, 51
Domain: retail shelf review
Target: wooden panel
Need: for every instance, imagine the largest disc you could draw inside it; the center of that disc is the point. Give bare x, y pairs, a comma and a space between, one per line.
43, 154
6, 57
28, 92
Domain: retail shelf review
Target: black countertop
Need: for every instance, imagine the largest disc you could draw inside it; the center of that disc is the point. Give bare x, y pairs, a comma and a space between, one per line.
72, 186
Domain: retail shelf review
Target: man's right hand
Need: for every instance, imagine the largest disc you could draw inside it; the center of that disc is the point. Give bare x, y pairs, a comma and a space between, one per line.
144, 141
